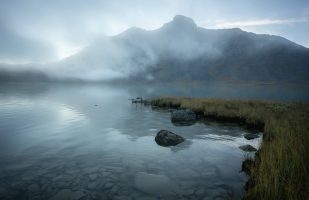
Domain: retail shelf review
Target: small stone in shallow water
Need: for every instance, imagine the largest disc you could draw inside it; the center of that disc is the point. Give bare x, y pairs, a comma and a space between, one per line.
67, 194
93, 176
115, 189
199, 192
251, 136
167, 138
153, 183
248, 148
93, 185
108, 185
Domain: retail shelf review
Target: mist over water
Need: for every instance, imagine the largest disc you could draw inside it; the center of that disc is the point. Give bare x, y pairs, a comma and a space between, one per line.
89, 141
70, 69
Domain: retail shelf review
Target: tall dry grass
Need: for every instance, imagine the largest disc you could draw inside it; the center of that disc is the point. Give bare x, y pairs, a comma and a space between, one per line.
281, 166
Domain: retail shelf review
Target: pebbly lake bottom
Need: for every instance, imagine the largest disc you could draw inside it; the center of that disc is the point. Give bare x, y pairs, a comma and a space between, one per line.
90, 142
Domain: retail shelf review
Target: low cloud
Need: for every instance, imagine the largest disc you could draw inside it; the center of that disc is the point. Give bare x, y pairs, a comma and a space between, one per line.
260, 22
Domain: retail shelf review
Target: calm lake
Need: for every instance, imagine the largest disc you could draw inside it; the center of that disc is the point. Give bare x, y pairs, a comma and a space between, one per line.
87, 141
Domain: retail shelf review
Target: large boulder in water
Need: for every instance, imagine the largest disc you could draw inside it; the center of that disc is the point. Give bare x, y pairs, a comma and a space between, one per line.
167, 138
183, 117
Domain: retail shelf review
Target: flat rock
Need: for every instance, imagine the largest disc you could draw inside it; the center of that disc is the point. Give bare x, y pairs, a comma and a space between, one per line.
153, 184
251, 136
247, 148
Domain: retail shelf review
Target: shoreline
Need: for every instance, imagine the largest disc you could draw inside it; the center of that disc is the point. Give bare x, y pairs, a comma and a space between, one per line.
280, 167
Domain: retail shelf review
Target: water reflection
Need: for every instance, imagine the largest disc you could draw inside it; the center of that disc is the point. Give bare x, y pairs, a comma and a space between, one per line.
182, 146
55, 143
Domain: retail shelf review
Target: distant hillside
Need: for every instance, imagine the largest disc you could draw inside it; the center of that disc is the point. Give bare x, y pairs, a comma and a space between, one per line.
180, 50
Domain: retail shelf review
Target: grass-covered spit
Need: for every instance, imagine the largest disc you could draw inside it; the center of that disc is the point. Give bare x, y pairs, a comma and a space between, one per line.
280, 169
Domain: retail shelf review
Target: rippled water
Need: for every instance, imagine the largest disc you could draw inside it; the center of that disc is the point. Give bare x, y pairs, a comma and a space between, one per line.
89, 142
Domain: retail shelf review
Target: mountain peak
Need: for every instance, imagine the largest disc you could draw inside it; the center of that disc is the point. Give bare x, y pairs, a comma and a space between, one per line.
180, 22
184, 21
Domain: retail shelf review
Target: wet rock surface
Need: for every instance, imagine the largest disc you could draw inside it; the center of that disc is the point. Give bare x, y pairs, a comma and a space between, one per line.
183, 117
167, 138
152, 183
76, 179
88, 159
251, 136
248, 148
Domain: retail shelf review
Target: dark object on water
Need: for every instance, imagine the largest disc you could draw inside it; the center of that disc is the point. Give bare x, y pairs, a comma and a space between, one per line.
183, 117
140, 100
247, 148
251, 136
166, 138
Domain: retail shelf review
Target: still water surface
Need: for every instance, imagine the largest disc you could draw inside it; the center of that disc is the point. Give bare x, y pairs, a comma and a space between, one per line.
65, 141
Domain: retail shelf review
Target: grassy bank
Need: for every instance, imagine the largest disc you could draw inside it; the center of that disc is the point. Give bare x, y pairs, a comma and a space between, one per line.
280, 169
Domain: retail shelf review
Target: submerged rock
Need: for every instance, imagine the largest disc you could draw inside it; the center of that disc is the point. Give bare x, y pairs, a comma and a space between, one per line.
68, 194
248, 148
251, 136
153, 183
183, 117
167, 138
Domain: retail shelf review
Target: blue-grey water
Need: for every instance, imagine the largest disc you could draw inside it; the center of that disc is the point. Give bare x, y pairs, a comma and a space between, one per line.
87, 141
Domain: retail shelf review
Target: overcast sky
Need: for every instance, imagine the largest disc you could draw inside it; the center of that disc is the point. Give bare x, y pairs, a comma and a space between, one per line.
48, 30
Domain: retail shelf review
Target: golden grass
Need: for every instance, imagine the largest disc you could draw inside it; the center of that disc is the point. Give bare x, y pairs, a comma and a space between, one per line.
281, 166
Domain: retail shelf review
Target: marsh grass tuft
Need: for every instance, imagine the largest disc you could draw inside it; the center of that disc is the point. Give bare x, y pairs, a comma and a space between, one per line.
280, 169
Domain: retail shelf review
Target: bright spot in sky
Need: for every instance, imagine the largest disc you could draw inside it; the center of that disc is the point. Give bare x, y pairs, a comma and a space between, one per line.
65, 50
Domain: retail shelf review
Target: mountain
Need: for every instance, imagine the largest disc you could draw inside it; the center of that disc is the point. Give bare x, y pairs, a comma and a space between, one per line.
180, 50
